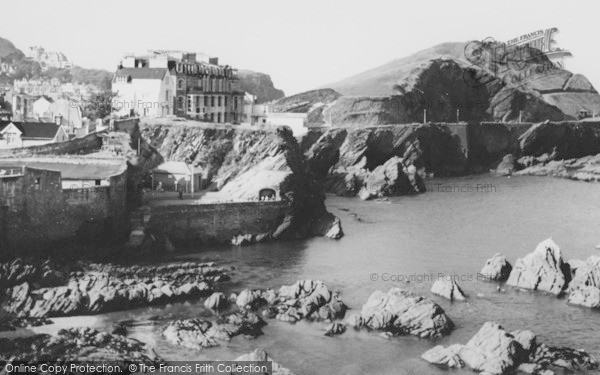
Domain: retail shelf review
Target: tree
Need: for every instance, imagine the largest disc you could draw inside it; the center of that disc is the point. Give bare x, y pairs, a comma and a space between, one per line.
99, 105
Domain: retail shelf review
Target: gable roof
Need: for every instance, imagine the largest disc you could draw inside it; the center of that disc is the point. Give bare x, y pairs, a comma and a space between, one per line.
142, 73
40, 130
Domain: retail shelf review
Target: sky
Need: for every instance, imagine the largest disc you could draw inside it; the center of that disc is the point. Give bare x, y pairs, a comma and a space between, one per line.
302, 45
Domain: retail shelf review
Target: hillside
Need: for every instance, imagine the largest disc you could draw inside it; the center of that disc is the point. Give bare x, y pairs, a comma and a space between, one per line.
9, 51
382, 79
258, 84
475, 81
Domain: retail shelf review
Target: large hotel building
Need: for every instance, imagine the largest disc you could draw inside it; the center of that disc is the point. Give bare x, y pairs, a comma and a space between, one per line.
166, 83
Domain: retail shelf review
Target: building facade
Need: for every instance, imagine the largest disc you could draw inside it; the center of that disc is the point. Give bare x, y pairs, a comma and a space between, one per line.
189, 88
15, 134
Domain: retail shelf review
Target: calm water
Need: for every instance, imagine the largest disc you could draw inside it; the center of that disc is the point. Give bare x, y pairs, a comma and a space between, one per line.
411, 237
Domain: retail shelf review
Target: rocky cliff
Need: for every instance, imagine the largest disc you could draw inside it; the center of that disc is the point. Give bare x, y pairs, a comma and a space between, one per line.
239, 162
385, 160
258, 84
475, 81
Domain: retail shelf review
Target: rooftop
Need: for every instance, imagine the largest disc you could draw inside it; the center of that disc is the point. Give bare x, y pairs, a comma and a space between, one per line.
142, 73
40, 130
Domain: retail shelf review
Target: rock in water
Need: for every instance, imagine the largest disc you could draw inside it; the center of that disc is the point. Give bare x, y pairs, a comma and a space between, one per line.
308, 299
249, 299
216, 301
493, 350
585, 273
449, 289
588, 296
201, 334
497, 268
335, 329
584, 287
77, 344
543, 269
260, 355
402, 312
506, 166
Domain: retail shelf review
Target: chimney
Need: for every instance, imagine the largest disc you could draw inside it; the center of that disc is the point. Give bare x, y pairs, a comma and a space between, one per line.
213, 60
58, 119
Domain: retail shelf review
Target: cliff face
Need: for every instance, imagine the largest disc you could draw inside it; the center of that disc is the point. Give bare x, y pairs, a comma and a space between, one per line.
386, 160
238, 162
483, 81
258, 84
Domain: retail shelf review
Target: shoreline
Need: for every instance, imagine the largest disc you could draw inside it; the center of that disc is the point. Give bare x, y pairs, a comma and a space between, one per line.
275, 330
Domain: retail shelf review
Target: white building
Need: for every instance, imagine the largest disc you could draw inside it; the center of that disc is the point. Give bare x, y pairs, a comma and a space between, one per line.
146, 92
24, 134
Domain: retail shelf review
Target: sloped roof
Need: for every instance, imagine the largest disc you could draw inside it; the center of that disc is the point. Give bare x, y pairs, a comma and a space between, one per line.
142, 73
43, 130
76, 171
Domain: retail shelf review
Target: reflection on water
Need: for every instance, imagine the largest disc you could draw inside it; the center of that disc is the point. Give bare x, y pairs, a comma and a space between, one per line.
414, 238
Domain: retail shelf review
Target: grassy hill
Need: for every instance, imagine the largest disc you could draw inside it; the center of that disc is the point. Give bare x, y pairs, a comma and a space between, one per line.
382, 79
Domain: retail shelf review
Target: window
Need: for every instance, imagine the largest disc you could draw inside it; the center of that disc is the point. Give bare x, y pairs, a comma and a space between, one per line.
180, 102
218, 117
189, 103
180, 84
97, 182
219, 101
206, 101
226, 101
212, 101
212, 117
11, 138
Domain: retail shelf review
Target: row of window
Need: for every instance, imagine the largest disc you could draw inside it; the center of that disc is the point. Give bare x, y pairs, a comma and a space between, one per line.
209, 101
206, 84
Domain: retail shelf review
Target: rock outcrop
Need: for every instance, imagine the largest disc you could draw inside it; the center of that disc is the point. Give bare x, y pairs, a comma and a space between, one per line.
584, 288
448, 288
200, 334
260, 355
493, 350
217, 301
381, 161
105, 287
497, 268
306, 299
586, 168
482, 79
506, 166
543, 269
403, 312
18, 271
239, 163
77, 344
258, 84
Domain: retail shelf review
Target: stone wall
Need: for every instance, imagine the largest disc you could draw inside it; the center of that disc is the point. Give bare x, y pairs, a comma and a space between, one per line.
39, 212
214, 223
85, 145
